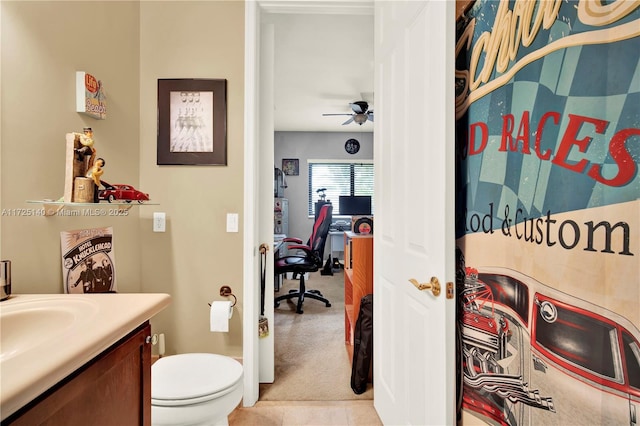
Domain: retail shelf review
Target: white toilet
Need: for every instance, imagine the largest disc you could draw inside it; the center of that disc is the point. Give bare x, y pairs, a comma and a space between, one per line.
195, 389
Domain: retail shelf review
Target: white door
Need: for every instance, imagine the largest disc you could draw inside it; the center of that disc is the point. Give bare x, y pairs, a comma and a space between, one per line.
265, 210
414, 331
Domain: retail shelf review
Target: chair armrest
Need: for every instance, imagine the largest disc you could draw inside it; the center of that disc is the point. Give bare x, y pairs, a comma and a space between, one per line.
300, 247
292, 240
308, 252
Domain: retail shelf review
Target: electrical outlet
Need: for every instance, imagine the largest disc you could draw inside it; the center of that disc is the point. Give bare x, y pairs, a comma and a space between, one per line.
159, 224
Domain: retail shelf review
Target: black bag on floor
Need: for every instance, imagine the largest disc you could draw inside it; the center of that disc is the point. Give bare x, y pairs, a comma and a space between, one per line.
362, 346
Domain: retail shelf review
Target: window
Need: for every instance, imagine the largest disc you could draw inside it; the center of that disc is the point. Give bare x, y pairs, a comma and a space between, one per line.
339, 178
580, 338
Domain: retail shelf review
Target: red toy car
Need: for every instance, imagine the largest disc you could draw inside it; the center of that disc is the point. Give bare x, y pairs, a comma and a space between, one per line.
121, 192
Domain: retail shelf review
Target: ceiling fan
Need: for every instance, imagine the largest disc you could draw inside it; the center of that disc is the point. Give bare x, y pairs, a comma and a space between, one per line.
361, 113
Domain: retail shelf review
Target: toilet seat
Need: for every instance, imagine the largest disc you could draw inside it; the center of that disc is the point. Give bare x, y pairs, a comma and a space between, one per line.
193, 378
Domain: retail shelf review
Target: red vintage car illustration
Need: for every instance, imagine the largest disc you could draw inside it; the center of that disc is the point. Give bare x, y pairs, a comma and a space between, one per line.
120, 192
531, 354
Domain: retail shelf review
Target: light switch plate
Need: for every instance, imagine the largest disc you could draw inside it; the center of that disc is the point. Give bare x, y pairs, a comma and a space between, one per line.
232, 222
159, 223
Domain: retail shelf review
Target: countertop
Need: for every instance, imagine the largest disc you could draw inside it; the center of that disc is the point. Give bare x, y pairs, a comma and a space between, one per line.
103, 320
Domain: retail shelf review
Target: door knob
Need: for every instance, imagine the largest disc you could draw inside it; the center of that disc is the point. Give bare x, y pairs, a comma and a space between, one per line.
434, 285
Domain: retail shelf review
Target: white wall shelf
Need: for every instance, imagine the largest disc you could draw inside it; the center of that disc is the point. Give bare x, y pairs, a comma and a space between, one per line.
58, 208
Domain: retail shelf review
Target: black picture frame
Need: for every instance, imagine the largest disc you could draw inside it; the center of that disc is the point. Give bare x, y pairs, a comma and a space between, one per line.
291, 166
192, 122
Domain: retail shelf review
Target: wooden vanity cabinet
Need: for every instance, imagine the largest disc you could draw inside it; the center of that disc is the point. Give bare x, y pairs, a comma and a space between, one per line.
112, 389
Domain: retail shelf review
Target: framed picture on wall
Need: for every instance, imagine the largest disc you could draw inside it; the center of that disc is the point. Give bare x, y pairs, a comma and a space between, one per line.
192, 122
291, 166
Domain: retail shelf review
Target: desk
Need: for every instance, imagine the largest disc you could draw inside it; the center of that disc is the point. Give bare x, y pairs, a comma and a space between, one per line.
336, 239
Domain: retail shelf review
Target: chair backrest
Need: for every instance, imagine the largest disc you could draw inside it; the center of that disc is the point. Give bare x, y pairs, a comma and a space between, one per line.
320, 232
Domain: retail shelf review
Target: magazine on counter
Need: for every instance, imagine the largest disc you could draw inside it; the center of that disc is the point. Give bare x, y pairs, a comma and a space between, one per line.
88, 261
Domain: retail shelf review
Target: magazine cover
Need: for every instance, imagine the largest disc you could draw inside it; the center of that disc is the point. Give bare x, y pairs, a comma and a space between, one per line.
548, 212
88, 261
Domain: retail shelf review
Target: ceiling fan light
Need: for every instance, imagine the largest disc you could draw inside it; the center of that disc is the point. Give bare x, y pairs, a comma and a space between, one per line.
360, 118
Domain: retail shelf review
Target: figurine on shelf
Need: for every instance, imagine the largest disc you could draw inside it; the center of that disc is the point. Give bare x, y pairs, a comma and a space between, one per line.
80, 155
87, 149
95, 173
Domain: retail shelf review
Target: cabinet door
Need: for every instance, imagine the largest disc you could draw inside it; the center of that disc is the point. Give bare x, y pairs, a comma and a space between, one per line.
112, 389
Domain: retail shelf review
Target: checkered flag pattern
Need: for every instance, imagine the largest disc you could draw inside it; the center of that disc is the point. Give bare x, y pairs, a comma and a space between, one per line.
596, 80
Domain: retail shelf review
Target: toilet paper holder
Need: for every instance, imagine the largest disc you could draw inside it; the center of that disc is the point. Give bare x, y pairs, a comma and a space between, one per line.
225, 291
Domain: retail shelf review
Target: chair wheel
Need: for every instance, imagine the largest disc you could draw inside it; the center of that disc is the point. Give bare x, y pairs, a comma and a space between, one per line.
328, 305
300, 312
277, 304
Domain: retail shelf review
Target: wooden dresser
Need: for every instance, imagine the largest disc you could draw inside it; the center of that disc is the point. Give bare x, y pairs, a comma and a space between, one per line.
358, 279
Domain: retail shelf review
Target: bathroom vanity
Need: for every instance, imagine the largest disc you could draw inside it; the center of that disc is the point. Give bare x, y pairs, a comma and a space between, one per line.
77, 359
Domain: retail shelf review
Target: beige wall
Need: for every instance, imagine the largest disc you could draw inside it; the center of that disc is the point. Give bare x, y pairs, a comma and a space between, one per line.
128, 45
43, 45
196, 256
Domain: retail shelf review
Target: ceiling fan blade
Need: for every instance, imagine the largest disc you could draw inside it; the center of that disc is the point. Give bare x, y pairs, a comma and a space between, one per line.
370, 115
348, 121
333, 114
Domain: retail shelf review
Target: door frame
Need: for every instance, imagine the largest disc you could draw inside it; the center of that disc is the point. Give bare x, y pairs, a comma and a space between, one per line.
254, 10
250, 344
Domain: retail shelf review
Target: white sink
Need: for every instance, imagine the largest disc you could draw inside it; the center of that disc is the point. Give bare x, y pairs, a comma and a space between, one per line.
46, 337
26, 325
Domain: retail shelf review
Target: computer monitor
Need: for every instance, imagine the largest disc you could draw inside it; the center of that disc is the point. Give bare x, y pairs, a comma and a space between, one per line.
354, 205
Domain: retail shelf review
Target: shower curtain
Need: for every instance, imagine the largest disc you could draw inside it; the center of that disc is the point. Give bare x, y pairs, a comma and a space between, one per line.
548, 212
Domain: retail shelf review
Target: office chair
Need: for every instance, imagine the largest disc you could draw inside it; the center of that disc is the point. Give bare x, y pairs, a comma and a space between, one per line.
309, 260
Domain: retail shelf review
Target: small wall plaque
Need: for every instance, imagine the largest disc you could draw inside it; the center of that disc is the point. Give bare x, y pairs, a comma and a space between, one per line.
90, 97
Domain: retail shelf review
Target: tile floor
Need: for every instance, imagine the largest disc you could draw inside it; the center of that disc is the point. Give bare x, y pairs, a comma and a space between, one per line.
302, 413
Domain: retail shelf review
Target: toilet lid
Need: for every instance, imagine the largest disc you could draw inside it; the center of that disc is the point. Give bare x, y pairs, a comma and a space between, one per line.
195, 375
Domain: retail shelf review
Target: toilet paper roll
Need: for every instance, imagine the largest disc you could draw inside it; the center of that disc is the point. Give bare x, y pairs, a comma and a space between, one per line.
221, 313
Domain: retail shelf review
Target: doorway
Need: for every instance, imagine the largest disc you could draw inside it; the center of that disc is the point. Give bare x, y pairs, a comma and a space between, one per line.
322, 62
398, 103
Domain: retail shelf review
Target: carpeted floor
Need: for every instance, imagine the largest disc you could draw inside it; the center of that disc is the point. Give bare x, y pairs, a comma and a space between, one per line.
311, 360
